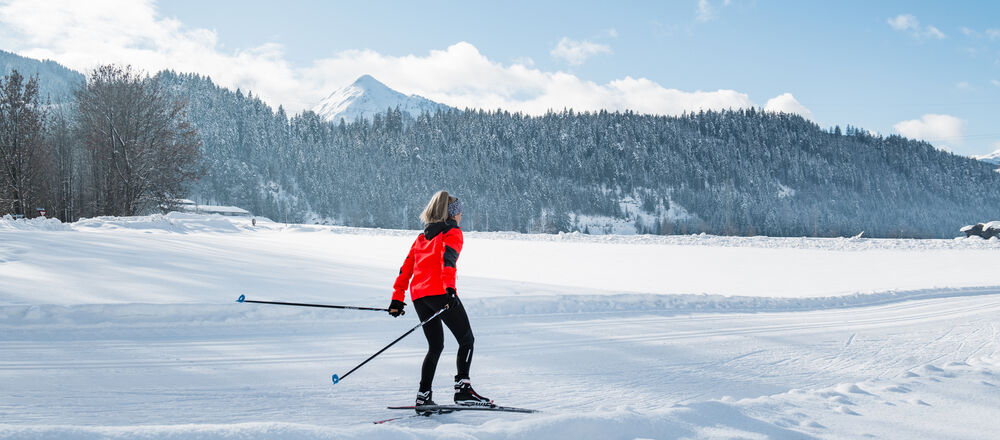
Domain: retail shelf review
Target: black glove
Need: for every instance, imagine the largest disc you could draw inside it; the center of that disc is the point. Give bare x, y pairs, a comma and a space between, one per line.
396, 308
452, 297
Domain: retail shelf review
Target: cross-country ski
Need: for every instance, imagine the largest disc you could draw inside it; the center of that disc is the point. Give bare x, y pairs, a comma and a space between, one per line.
428, 410
444, 409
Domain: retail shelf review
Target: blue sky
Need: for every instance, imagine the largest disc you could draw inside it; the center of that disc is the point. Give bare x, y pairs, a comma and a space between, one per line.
929, 70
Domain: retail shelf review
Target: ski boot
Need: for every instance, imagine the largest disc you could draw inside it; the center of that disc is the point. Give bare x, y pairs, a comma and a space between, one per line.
424, 398
465, 395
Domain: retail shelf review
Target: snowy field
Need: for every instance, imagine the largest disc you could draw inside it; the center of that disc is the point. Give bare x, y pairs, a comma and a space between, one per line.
127, 328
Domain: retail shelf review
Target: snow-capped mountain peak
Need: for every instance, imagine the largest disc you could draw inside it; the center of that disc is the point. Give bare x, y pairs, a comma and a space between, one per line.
367, 96
993, 158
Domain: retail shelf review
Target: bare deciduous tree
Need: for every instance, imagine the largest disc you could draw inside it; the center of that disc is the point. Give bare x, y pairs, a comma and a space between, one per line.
142, 147
22, 154
67, 160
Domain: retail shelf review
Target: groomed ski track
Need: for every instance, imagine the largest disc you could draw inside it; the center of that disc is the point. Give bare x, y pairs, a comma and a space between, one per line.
918, 363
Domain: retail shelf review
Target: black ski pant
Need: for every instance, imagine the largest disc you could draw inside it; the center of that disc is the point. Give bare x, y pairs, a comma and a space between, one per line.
457, 321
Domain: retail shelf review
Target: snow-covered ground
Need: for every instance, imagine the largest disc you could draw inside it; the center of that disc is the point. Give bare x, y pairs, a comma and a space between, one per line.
127, 328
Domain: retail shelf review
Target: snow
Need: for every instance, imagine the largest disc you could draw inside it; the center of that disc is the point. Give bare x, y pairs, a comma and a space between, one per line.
993, 158
635, 218
366, 97
785, 192
127, 328
993, 225
219, 209
186, 205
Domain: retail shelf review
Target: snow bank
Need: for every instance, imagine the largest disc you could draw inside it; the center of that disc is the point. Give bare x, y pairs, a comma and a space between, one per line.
957, 400
190, 222
612, 423
8, 223
921, 404
178, 222
682, 304
845, 244
17, 319
190, 258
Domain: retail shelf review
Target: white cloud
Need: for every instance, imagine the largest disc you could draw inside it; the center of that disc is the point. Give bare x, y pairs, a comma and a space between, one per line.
524, 61
995, 82
576, 52
963, 85
934, 128
934, 32
904, 22
83, 35
705, 11
786, 103
909, 23
992, 34
461, 76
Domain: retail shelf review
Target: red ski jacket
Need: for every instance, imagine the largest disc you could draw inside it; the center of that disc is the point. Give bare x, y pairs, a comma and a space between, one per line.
431, 262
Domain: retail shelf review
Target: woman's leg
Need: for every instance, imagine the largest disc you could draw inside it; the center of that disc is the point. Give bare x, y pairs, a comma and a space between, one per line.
426, 307
458, 322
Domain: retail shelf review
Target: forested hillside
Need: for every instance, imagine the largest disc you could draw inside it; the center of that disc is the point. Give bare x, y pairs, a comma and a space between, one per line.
56, 82
734, 172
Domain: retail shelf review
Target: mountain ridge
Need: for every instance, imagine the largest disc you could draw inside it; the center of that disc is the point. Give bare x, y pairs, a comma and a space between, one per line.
993, 158
56, 82
366, 97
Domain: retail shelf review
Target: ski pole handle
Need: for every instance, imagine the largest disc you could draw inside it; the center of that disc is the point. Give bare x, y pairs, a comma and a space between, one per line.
242, 299
337, 378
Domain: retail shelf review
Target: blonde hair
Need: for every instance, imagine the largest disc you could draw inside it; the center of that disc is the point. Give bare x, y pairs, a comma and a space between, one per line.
437, 208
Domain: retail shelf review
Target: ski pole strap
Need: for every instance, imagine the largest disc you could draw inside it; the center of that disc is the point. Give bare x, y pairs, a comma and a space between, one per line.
337, 379
242, 299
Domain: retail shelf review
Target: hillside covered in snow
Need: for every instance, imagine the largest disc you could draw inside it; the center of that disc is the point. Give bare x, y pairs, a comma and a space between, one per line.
992, 158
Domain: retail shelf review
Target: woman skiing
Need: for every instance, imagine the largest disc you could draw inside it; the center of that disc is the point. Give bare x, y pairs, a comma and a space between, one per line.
429, 272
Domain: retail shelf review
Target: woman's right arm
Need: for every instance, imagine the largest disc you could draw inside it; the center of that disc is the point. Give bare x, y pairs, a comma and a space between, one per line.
403, 280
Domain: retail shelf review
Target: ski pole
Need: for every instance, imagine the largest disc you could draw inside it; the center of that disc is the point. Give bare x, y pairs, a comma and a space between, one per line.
337, 379
242, 299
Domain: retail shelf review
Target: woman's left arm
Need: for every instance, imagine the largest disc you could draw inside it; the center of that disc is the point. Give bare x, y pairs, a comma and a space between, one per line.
453, 241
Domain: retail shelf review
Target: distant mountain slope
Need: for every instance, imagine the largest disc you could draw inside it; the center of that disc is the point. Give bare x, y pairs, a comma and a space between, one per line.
993, 158
366, 97
56, 82
733, 173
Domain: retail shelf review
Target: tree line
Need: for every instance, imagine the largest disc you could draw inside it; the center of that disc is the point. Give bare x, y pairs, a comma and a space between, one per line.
121, 146
126, 143
737, 172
